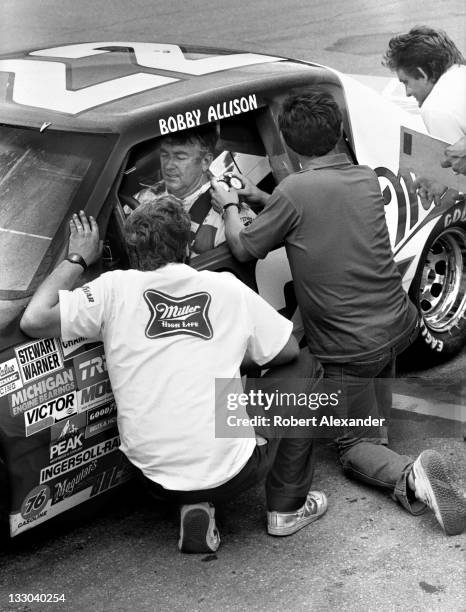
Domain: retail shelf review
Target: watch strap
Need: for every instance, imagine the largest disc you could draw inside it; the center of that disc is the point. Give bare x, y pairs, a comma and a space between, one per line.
238, 206
77, 259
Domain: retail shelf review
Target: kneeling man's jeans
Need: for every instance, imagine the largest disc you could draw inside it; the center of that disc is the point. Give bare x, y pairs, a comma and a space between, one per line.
362, 450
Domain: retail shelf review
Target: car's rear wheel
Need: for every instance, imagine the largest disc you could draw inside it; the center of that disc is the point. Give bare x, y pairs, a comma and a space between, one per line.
439, 291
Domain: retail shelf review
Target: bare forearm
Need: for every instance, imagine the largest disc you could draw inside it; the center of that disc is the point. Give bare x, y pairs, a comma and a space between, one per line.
233, 228
42, 316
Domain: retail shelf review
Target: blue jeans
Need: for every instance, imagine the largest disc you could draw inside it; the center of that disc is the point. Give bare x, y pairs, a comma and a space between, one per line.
362, 450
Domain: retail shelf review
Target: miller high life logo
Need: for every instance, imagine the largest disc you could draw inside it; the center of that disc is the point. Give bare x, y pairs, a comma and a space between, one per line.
171, 316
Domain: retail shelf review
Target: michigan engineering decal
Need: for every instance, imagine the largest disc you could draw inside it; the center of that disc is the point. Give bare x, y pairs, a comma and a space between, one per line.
41, 81
171, 316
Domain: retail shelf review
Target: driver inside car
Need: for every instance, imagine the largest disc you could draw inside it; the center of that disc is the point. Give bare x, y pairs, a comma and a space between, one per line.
185, 158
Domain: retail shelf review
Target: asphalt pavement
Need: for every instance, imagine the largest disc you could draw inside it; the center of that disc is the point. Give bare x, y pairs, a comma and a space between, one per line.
365, 554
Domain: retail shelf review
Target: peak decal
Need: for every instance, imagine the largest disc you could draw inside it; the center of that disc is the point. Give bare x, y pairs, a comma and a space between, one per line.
171, 316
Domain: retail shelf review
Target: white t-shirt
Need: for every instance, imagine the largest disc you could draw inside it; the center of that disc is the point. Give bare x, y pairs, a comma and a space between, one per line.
444, 109
168, 334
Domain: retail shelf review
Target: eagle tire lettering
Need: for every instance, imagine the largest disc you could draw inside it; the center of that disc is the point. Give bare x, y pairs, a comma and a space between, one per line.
439, 289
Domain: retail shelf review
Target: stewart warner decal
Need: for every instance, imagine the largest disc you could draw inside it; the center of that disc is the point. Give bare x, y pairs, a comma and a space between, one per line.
171, 316
39, 358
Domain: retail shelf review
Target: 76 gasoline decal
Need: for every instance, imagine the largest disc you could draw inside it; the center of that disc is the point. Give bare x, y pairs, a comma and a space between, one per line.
35, 502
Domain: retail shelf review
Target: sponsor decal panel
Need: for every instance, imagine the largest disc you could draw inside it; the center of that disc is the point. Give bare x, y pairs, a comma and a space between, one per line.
65, 429
39, 358
171, 316
95, 395
69, 347
48, 413
90, 367
74, 483
67, 446
10, 378
34, 502
79, 459
71, 491
100, 426
42, 391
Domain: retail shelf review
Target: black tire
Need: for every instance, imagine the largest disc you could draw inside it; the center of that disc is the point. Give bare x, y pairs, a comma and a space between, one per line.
439, 290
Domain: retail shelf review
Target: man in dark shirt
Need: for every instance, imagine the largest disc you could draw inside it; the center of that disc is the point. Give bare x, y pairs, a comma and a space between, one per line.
356, 315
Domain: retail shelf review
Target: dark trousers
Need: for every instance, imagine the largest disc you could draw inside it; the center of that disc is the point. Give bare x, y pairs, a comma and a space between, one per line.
286, 464
363, 450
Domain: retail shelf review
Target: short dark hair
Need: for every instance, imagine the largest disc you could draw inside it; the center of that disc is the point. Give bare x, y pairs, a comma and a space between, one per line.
422, 47
157, 233
310, 122
205, 136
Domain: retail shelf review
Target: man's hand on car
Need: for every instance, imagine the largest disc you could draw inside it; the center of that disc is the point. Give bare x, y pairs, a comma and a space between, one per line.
84, 238
430, 191
455, 156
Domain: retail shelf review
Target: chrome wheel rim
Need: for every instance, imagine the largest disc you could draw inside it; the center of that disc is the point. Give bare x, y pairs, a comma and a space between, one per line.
442, 296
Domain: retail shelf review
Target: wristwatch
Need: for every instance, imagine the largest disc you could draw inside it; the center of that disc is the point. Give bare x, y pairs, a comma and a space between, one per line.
77, 259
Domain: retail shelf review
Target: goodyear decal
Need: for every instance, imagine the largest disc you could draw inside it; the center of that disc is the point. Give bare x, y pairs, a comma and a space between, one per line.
50, 412
41, 391
10, 378
39, 358
101, 419
75, 461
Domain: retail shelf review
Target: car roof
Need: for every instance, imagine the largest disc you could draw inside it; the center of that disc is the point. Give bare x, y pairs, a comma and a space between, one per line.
116, 86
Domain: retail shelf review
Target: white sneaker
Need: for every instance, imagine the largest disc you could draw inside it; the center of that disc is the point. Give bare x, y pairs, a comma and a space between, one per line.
432, 486
286, 523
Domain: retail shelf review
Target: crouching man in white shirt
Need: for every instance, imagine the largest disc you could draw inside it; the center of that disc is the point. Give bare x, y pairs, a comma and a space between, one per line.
169, 332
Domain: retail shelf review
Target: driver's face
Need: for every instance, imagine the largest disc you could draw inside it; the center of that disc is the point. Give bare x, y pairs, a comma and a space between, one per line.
183, 167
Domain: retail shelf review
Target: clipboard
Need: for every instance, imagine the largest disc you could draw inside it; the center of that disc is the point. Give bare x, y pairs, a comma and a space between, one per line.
422, 154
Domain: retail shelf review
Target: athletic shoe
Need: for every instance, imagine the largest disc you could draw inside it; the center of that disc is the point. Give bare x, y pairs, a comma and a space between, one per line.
198, 531
286, 523
433, 486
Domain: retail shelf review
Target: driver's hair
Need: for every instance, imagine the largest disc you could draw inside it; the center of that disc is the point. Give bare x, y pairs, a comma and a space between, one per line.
157, 234
310, 122
431, 50
205, 137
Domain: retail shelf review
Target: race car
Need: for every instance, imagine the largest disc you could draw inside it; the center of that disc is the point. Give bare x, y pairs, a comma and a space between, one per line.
80, 128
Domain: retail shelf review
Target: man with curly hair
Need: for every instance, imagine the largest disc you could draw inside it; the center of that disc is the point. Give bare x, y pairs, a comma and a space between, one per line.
169, 332
432, 69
